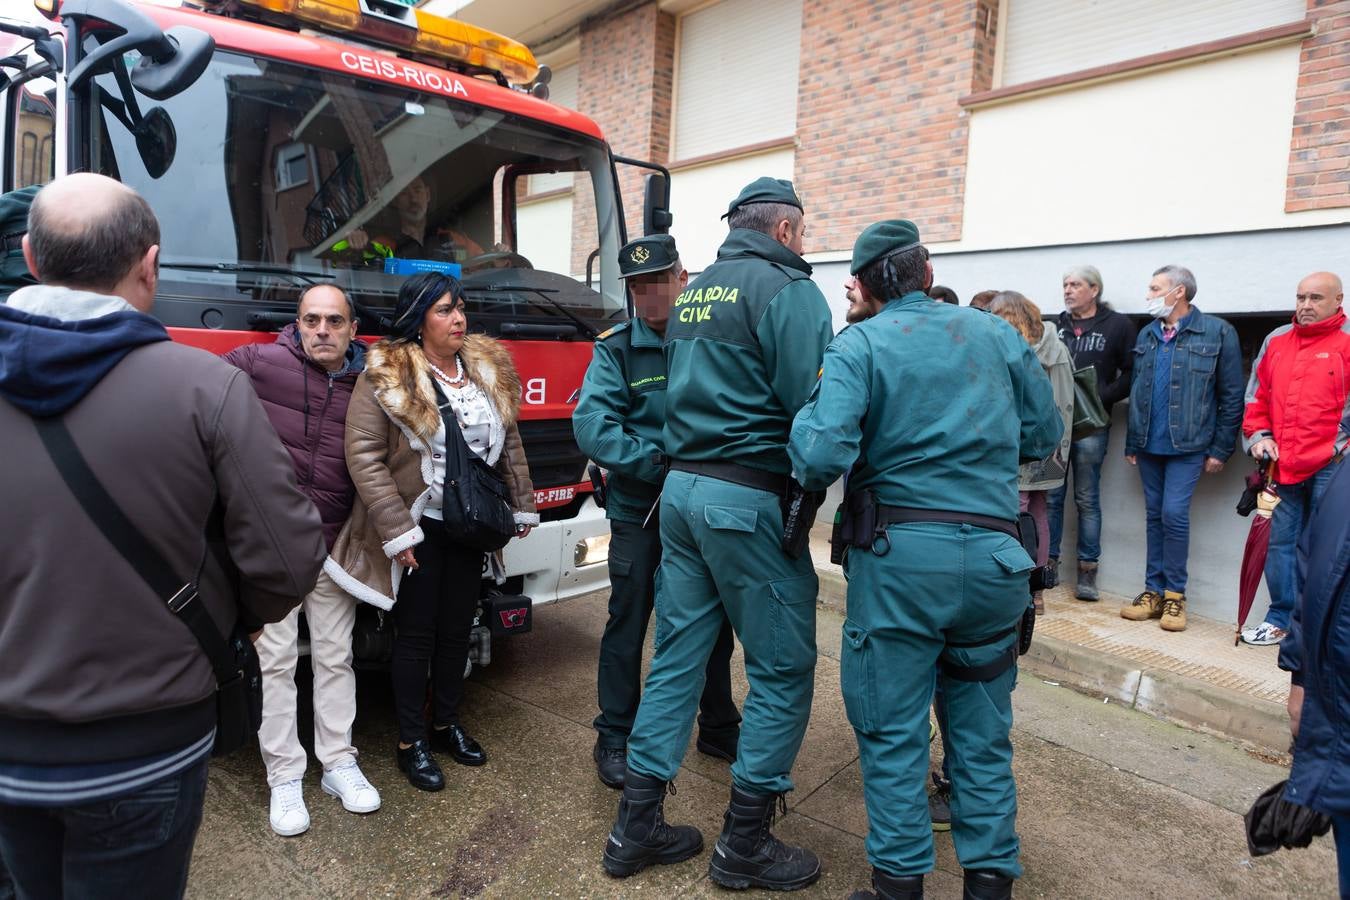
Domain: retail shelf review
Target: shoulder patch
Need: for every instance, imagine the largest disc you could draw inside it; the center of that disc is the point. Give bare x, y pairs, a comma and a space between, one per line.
617, 329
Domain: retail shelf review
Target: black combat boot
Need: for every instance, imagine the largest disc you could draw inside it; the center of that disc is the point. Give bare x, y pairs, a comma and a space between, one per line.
641, 837
986, 884
891, 887
747, 855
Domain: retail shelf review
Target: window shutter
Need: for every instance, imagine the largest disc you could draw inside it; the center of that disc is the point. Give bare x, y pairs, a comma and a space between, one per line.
1044, 38
736, 76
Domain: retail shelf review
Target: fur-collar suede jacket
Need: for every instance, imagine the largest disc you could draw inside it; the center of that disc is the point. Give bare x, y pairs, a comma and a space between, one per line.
390, 423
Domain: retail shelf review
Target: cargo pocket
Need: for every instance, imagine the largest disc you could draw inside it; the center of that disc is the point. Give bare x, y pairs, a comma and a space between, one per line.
856, 678
1014, 559
730, 518
792, 615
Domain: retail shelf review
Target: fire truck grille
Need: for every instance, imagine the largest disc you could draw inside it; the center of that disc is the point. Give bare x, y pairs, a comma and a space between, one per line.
554, 457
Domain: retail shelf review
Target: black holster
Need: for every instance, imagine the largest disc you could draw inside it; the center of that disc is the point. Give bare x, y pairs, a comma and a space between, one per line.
799, 513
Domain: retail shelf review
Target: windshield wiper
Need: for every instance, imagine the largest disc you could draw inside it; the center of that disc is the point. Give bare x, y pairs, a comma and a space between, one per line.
224, 268
543, 293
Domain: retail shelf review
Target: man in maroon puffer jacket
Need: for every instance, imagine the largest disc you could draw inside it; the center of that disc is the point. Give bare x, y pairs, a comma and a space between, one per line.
305, 382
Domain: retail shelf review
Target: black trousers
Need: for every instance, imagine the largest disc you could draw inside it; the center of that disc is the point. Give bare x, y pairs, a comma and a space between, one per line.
634, 555
432, 620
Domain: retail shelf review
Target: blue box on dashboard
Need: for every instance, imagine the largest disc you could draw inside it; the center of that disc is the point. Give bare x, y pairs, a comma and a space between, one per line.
395, 266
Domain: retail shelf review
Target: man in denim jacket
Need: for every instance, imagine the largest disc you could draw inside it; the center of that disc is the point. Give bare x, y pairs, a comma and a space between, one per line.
1185, 408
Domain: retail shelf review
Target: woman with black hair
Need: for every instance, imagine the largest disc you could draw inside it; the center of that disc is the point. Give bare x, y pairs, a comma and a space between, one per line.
427, 372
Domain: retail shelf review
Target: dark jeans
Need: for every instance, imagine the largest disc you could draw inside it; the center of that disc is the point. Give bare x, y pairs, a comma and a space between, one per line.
1085, 468
1297, 504
136, 845
432, 620
1169, 482
634, 555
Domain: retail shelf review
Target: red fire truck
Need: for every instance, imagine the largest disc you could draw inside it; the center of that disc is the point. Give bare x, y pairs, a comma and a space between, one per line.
281, 142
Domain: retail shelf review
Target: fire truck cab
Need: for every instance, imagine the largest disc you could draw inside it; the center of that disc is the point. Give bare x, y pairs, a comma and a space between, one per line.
284, 143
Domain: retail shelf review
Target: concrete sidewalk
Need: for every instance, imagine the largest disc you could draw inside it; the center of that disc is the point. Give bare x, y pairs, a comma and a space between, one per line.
1196, 678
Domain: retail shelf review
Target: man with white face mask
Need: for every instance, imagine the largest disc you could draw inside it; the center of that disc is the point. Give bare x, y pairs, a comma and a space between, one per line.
1185, 408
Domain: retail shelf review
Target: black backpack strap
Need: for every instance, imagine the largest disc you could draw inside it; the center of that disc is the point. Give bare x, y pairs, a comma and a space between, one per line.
128, 540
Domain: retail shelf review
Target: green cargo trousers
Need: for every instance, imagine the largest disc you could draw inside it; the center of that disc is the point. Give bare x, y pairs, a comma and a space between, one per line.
722, 550
939, 585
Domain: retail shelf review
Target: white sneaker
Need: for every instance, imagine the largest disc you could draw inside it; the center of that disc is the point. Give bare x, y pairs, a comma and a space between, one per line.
350, 786
1263, 635
289, 816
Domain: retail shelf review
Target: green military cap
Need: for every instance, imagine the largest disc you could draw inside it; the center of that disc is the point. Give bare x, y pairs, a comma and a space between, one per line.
653, 253
765, 190
882, 239
14, 272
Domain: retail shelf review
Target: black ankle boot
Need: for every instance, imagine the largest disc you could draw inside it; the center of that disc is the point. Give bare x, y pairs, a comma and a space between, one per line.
641, 837
747, 855
891, 887
986, 884
420, 766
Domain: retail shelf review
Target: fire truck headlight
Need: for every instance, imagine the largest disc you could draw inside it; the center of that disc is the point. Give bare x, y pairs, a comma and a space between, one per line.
592, 550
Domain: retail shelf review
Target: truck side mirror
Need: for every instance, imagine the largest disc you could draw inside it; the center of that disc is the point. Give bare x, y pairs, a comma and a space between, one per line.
170, 61
656, 217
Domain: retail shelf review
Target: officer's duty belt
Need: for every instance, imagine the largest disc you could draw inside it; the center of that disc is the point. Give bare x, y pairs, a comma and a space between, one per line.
735, 473
892, 515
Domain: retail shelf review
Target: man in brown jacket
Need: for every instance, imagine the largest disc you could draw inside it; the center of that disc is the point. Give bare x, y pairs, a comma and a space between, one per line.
107, 702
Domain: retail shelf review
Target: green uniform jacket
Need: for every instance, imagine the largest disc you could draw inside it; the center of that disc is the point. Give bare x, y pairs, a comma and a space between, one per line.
743, 351
941, 403
618, 419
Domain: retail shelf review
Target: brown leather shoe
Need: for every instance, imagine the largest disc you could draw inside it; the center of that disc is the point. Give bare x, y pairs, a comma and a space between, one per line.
1147, 605
1173, 611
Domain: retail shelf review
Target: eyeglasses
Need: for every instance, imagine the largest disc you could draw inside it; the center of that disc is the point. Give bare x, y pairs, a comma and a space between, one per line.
313, 319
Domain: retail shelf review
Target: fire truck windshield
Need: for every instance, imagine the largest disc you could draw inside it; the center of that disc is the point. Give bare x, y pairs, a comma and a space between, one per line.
268, 176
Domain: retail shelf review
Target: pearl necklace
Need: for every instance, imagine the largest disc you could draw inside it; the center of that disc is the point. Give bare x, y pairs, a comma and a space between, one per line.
459, 372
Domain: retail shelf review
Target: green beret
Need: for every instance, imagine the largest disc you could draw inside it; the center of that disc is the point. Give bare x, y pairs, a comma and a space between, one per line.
14, 272
882, 239
765, 190
653, 253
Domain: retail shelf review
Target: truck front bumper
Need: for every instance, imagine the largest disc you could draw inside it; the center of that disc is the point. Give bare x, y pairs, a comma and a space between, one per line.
563, 559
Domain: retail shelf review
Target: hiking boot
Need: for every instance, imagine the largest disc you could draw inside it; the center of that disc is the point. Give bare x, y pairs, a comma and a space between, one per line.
1147, 605
1087, 582
1052, 573
747, 855
940, 804
986, 884
1173, 611
641, 837
891, 887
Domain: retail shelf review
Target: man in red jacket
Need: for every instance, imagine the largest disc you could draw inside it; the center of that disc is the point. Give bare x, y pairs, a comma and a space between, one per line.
305, 380
1298, 416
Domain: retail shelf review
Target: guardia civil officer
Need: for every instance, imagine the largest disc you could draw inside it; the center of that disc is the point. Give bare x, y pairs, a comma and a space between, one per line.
743, 348
937, 405
618, 425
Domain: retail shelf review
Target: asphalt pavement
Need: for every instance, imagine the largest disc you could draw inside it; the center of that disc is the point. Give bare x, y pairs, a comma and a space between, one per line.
1113, 803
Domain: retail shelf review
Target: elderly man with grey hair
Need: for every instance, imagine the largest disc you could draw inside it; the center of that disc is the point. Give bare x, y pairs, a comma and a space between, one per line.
1102, 338
1185, 409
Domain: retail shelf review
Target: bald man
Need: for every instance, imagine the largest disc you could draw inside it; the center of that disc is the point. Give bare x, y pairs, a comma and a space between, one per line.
1298, 418
108, 704
305, 381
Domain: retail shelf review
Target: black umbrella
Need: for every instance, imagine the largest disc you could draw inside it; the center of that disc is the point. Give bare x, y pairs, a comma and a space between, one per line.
1274, 822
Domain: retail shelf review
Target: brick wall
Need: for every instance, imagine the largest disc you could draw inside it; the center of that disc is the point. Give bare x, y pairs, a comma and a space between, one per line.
879, 130
1319, 152
625, 84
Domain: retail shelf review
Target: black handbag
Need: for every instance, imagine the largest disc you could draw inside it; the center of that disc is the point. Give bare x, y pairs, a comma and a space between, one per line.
1089, 413
233, 659
475, 502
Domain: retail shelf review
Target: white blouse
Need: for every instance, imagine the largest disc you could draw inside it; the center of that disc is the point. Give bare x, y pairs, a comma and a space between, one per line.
474, 414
